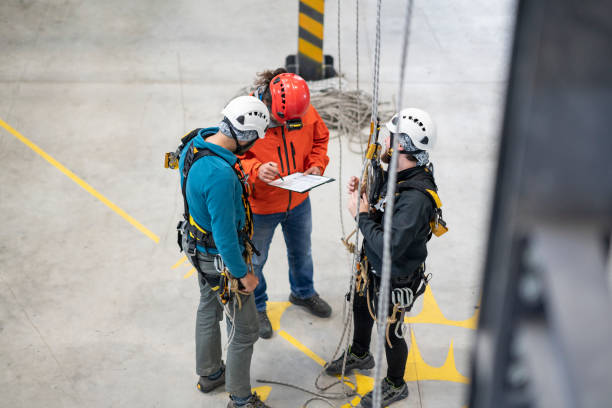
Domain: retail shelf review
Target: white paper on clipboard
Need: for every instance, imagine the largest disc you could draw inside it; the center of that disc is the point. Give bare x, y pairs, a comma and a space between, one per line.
300, 182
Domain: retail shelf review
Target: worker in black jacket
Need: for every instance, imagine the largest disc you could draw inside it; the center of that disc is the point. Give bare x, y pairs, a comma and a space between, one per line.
413, 211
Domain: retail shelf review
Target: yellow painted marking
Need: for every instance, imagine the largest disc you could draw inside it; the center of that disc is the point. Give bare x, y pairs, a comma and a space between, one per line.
355, 402
310, 50
263, 392
188, 274
180, 262
311, 25
80, 182
418, 370
275, 311
318, 5
365, 383
431, 313
301, 347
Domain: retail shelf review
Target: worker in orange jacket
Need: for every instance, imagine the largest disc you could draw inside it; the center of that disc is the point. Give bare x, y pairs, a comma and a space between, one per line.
296, 141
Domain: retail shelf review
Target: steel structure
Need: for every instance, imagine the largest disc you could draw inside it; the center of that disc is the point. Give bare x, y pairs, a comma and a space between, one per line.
545, 331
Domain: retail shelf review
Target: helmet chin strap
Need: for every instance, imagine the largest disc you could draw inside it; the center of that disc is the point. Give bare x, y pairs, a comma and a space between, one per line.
240, 149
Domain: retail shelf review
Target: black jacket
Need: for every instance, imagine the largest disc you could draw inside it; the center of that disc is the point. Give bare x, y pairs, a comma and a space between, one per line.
411, 215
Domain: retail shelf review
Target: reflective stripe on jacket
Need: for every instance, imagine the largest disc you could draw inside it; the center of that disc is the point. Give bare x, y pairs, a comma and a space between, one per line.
293, 151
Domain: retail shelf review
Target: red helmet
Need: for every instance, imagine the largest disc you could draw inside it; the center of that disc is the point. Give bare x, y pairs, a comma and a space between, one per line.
290, 97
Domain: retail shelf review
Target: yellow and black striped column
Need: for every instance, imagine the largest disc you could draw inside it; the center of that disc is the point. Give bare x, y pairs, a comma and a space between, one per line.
310, 39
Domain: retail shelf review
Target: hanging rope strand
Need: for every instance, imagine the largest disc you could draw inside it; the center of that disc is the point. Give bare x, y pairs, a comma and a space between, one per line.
383, 300
340, 130
357, 127
356, 254
376, 65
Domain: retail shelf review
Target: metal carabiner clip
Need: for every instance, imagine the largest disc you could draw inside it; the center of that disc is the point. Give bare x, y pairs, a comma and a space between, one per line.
219, 264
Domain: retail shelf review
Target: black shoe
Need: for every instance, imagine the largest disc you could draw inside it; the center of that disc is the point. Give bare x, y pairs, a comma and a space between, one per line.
265, 327
253, 402
205, 384
313, 304
352, 362
389, 394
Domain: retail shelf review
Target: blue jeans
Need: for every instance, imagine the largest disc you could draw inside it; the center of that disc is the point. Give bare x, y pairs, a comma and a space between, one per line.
297, 227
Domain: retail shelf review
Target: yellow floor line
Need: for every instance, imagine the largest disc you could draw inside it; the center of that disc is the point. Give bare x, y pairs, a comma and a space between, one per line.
80, 182
301, 347
188, 274
180, 262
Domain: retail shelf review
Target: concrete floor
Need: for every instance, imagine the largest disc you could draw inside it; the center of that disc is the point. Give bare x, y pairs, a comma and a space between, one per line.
96, 312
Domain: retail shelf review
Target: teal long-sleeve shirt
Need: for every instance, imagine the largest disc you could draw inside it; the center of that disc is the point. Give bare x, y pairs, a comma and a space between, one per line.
214, 196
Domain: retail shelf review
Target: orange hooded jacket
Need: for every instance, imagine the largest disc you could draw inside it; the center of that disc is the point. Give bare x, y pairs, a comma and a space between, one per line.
294, 151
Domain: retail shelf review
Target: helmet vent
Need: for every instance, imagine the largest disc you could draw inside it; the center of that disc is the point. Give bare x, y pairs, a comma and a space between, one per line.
425, 140
240, 119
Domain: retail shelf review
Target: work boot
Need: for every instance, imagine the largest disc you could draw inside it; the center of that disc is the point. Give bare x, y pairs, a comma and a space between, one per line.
389, 394
252, 402
209, 383
313, 304
265, 327
353, 361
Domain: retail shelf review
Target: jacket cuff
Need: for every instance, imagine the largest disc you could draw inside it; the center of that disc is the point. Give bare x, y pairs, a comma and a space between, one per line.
315, 163
362, 216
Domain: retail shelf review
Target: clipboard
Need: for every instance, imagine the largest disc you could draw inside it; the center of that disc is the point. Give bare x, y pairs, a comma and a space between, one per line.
300, 182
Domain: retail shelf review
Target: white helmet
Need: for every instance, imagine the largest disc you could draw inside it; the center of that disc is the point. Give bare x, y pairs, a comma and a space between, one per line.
417, 124
247, 113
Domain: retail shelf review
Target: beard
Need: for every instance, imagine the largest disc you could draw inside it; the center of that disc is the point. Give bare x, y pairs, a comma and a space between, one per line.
386, 156
242, 149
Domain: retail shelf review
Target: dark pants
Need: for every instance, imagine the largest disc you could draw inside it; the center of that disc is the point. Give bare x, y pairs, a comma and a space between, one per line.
208, 335
396, 356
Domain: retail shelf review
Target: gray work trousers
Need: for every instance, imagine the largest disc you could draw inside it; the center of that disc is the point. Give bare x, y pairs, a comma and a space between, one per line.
208, 335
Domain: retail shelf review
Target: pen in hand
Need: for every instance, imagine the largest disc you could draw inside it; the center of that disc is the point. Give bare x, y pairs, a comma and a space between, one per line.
281, 177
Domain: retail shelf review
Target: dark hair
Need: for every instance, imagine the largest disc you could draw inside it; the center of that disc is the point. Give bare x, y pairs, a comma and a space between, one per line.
263, 80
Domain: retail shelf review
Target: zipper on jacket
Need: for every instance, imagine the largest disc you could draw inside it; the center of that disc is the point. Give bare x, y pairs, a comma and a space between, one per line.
287, 156
281, 159
293, 156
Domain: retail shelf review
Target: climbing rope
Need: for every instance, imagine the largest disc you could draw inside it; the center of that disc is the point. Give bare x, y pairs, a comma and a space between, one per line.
384, 294
345, 337
340, 103
358, 128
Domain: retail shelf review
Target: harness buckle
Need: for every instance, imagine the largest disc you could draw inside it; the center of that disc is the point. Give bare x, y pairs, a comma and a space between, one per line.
191, 248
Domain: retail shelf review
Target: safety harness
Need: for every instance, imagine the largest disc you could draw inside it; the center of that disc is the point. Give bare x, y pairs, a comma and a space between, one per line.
405, 290
190, 235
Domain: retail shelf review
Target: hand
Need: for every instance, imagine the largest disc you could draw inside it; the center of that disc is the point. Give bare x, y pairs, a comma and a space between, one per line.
268, 172
364, 206
250, 282
314, 170
353, 184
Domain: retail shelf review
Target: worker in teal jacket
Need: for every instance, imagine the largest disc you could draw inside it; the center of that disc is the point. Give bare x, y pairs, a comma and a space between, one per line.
216, 238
